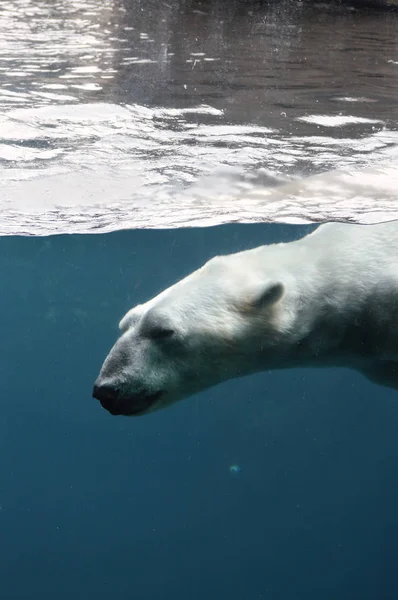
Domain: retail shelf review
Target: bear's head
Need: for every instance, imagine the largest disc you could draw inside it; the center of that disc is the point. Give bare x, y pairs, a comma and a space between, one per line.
216, 324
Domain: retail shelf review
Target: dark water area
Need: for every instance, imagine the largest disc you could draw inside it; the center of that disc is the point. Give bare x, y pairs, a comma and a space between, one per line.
93, 506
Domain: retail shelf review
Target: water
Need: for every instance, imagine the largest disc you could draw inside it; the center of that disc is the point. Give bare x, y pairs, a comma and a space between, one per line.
144, 114
147, 131
100, 507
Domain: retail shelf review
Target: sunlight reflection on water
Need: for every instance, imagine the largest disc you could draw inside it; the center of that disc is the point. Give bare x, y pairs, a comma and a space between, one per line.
117, 115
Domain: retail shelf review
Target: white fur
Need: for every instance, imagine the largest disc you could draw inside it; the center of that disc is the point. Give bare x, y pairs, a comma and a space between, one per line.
328, 299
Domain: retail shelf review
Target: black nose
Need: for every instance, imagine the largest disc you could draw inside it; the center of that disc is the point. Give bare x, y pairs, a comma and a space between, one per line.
107, 395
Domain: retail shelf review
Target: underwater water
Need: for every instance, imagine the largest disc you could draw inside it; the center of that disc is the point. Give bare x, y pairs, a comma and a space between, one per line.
145, 119
281, 485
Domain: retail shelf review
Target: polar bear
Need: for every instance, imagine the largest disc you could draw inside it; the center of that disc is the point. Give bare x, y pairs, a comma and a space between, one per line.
327, 299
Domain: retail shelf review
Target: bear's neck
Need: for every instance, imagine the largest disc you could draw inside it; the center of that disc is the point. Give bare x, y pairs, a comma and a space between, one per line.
321, 320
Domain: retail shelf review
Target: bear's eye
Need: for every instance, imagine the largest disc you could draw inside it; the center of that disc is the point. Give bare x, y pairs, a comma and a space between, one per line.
158, 333
156, 326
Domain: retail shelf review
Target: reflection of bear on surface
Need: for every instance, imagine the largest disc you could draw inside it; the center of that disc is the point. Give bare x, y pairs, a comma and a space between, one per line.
329, 299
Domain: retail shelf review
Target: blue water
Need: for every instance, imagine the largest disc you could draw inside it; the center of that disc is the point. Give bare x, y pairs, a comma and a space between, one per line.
94, 506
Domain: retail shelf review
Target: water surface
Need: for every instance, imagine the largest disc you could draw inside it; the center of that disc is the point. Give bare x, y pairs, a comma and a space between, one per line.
144, 114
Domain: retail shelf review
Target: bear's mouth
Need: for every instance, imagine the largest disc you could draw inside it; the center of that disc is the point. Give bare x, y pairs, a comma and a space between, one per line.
131, 406
141, 404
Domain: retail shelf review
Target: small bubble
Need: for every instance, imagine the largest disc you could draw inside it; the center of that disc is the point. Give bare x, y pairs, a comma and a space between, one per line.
234, 469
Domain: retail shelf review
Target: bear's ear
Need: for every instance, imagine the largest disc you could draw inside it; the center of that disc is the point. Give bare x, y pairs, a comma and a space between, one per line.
129, 320
271, 294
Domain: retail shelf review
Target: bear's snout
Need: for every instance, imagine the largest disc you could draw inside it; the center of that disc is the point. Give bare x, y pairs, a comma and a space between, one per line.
118, 404
108, 396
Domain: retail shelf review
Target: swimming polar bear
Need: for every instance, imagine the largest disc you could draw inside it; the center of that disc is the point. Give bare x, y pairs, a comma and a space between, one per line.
327, 299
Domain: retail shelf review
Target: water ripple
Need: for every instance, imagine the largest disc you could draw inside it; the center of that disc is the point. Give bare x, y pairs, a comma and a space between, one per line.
119, 115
